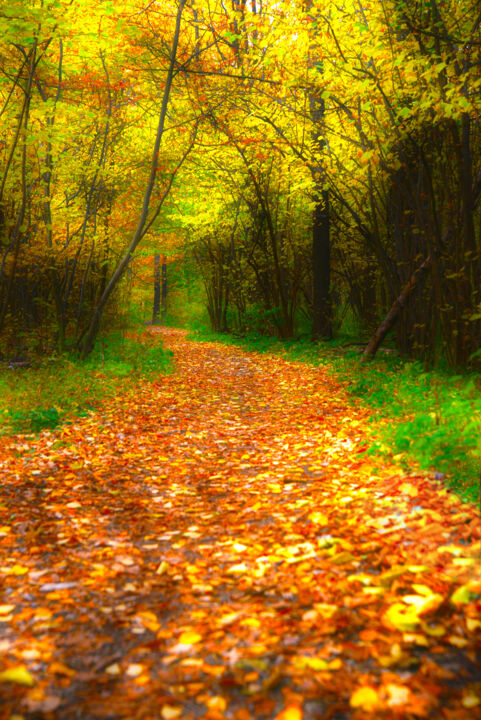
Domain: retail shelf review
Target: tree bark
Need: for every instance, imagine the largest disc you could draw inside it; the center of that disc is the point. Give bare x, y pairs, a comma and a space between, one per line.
156, 310
164, 287
321, 269
321, 243
396, 308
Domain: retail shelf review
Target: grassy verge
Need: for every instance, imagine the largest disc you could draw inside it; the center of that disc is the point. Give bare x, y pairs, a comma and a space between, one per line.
57, 389
433, 418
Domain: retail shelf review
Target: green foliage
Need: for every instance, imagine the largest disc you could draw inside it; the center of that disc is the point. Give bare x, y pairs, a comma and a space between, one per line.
119, 356
32, 421
432, 418
63, 387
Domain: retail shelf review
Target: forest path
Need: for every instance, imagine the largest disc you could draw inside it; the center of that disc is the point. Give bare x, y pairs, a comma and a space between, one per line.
218, 546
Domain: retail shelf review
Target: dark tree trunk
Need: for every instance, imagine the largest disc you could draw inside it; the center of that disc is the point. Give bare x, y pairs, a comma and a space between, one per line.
321, 269
156, 310
164, 287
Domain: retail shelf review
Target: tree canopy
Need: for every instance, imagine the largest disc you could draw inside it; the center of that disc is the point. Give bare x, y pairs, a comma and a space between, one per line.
311, 156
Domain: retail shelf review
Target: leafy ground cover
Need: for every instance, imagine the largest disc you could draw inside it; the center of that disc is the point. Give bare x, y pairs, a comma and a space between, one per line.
59, 388
430, 417
221, 546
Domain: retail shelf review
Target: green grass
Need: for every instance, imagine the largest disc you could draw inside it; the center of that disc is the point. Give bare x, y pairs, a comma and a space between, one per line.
62, 387
432, 418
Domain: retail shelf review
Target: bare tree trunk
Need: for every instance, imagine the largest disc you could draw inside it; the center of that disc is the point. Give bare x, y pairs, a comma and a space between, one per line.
383, 329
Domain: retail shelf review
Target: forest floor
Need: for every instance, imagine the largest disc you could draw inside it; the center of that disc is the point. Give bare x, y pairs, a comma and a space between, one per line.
219, 546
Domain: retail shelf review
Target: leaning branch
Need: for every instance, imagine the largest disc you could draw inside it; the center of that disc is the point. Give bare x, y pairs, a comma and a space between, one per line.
393, 314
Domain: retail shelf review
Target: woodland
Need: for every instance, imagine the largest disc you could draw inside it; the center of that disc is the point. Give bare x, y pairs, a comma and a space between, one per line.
240, 359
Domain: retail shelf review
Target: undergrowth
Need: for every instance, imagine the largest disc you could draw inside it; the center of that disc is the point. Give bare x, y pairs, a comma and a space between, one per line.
433, 418
59, 388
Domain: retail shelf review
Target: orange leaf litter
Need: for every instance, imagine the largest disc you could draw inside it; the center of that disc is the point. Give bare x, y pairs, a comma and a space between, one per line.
217, 545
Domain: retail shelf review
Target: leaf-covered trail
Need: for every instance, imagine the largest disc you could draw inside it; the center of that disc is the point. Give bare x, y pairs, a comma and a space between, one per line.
219, 547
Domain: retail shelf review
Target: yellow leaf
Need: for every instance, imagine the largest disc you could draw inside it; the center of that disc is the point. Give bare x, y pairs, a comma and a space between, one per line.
387, 577
217, 703
169, 712
319, 518
400, 617
464, 561
470, 699
190, 637
422, 590
228, 619
251, 622
458, 641
417, 569
364, 697
342, 558
409, 489
461, 595
19, 570
162, 568
424, 604
18, 675
335, 664
290, 713
6, 609
237, 569
472, 624
434, 631
325, 610
303, 661
416, 639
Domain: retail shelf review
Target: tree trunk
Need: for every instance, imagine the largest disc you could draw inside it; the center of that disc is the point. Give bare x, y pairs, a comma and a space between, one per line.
321, 269
321, 245
156, 310
383, 329
164, 287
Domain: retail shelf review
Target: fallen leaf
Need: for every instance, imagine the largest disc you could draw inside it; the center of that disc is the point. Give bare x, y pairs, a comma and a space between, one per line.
217, 702
169, 712
113, 669
461, 596
399, 695
18, 675
365, 698
400, 617
190, 637
290, 713
134, 670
